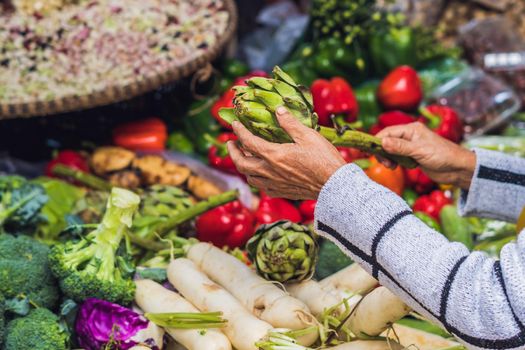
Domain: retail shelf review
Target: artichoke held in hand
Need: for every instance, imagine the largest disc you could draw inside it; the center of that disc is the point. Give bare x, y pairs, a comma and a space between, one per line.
284, 251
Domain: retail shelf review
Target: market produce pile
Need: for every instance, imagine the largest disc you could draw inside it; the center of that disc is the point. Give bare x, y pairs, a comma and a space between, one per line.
87, 47
132, 245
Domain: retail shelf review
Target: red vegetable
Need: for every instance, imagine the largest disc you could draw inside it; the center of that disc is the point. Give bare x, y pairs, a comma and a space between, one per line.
334, 97
143, 135
432, 203
393, 179
229, 225
444, 121
307, 209
391, 118
71, 159
218, 156
274, 209
418, 180
401, 89
350, 154
226, 100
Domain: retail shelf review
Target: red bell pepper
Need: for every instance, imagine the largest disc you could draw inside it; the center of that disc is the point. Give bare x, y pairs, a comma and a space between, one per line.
218, 156
229, 225
226, 99
391, 118
432, 203
444, 121
350, 154
71, 159
307, 209
143, 135
418, 180
334, 97
274, 209
401, 89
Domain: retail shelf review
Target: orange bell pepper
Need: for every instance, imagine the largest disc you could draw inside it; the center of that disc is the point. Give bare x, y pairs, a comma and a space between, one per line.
394, 180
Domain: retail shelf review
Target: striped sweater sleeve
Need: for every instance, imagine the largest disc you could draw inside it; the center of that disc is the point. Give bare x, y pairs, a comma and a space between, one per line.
479, 300
497, 190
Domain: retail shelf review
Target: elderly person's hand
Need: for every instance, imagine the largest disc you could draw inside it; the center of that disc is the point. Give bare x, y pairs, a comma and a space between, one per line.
292, 170
442, 160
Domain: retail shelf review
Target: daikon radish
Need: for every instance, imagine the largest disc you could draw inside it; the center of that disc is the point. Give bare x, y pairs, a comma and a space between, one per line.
243, 329
350, 279
377, 311
419, 339
140, 347
368, 345
317, 298
152, 297
261, 297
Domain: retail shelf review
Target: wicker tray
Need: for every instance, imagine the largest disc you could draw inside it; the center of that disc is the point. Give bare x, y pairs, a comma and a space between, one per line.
117, 93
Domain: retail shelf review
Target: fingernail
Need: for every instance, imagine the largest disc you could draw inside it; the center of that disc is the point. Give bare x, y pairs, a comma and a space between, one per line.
281, 110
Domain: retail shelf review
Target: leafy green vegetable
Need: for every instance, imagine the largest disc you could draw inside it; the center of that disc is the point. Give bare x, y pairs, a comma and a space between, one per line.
97, 266
38, 330
331, 260
25, 275
62, 199
20, 204
424, 326
156, 274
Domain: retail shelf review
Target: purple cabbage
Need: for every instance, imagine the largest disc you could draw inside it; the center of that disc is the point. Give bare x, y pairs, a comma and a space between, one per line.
100, 322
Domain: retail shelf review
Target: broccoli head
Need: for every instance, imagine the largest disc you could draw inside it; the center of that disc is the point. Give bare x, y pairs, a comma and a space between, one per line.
25, 271
97, 266
40, 329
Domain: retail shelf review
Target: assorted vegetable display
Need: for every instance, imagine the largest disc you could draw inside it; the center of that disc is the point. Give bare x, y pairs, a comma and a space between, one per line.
130, 245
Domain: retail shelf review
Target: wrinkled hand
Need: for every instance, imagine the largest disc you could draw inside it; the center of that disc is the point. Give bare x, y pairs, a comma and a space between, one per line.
292, 170
442, 160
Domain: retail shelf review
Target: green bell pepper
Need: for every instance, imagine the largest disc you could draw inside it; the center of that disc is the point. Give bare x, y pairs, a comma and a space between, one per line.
178, 141
200, 122
337, 58
392, 48
300, 71
369, 108
429, 221
232, 68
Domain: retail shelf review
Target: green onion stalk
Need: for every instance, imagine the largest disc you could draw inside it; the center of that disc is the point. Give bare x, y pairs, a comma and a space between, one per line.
187, 320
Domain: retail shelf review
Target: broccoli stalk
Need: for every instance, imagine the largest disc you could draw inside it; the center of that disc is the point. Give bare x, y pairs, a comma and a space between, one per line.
97, 266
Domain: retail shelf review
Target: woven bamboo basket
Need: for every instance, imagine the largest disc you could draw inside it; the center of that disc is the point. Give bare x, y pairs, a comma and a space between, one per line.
118, 93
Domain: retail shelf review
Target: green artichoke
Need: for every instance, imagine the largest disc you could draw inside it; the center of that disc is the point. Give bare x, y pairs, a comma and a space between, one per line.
283, 251
255, 107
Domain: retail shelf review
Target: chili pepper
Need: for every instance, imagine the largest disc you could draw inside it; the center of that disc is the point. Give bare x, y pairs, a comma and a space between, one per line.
351, 154
391, 48
274, 209
432, 203
142, 135
428, 220
444, 121
307, 210
401, 89
392, 179
410, 196
369, 109
334, 97
199, 123
218, 156
71, 159
226, 99
229, 225
178, 141
391, 118
418, 180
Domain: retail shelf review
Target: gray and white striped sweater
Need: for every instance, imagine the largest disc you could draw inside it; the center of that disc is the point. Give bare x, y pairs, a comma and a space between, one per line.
478, 299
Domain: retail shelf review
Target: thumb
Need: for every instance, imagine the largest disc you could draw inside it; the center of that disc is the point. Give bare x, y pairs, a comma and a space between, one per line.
399, 146
290, 124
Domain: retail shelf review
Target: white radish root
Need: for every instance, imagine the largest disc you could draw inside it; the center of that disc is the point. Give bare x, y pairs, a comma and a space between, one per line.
368, 345
377, 311
152, 297
353, 279
317, 298
419, 339
243, 329
261, 297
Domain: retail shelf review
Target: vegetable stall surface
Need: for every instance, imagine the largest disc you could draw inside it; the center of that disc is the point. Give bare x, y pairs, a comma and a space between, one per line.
243, 328
152, 297
261, 297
